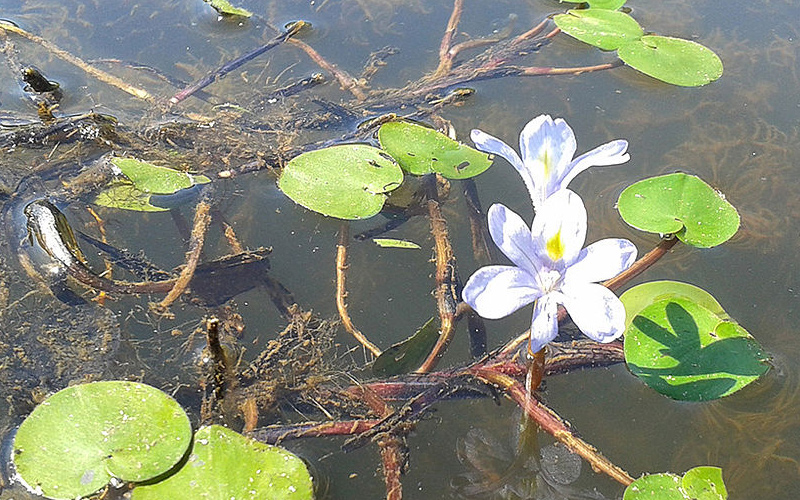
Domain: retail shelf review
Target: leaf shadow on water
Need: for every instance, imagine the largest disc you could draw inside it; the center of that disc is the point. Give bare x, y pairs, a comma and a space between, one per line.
711, 371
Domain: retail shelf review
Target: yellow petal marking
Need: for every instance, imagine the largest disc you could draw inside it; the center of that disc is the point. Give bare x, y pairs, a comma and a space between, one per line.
555, 247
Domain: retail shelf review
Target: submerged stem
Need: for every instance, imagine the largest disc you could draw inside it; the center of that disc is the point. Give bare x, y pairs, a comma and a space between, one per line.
341, 290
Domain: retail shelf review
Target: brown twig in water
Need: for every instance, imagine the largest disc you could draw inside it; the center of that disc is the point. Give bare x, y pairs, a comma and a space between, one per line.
275, 434
201, 221
346, 81
63, 54
544, 71
445, 55
447, 281
550, 422
341, 290
218, 359
223, 70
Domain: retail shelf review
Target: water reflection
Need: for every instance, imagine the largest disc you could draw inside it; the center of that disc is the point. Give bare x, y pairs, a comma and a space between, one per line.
518, 470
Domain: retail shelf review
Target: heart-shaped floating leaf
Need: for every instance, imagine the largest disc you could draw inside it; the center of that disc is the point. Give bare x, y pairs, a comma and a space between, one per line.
602, 28
348, 181
79, 438
704, 483
700, 483
422, 150
153, 179
637, 298
408, 354
224, 464
600, 4
679, 204
655, 486
143, 181
686, 352
672, 60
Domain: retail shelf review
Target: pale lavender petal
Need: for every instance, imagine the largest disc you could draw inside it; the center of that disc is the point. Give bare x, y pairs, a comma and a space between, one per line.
490, 144
601, 260
544, 325
496, 291
561, 220
513, 237
596, 311
547, 147
610, 153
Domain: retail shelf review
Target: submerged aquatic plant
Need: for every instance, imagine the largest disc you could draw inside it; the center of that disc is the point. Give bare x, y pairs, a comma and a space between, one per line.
551, 267
547, 147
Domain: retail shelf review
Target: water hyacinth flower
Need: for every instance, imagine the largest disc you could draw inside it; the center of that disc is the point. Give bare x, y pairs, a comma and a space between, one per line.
551, 267
547, 147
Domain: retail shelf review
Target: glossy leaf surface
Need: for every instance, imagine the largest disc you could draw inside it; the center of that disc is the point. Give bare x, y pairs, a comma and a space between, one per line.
422, 150
223, 464
686, 352
348, 181
75, 441
640, 296
699, 483
602, 28
672, 60
679, 204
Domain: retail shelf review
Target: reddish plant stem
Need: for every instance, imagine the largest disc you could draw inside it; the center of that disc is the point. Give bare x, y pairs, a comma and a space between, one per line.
390, 444
642, 264
347, 82
551, 423
446, 279
445, 55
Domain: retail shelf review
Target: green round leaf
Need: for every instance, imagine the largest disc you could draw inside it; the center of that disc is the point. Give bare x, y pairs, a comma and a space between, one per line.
79, 438
224, 464
686, 352
655, 487
602, 28
153, 179
679, 204
704, 483
637, 298
348, 181
421, 150
672, 60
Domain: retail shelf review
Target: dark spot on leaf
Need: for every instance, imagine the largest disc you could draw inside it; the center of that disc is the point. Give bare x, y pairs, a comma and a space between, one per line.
410, 154
434, 159
374, 163
461, 166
